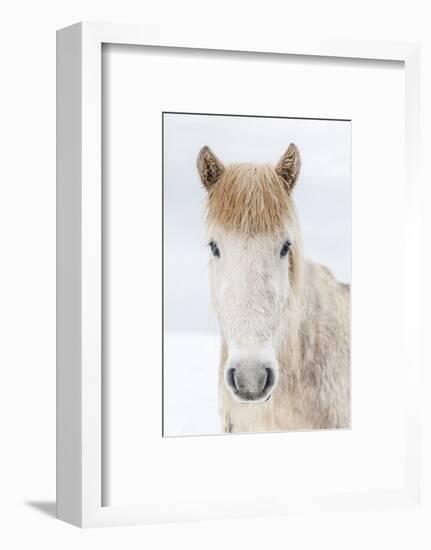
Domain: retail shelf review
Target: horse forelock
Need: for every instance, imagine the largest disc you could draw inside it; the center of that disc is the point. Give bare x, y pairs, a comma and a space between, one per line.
249, 199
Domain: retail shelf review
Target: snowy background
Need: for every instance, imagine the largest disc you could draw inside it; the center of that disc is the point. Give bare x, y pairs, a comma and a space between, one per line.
323, 199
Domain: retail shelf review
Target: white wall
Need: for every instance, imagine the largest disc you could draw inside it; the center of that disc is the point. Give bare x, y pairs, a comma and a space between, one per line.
27, 274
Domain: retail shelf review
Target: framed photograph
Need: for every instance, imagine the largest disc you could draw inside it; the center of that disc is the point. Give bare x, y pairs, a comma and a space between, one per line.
280, 334
236, 291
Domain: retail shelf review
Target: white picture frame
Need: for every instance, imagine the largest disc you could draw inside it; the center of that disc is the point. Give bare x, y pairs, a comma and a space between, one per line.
79, 267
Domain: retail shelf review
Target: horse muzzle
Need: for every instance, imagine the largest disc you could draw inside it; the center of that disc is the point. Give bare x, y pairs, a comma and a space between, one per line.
251, 382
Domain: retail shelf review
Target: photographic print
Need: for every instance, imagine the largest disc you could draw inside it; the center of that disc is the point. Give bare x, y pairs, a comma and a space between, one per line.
256, 274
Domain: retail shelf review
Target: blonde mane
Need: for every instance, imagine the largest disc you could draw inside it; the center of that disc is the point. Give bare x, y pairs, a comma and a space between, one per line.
250, 199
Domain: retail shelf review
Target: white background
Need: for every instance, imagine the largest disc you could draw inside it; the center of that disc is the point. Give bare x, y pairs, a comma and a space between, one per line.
371, 455
27, 236
323, 199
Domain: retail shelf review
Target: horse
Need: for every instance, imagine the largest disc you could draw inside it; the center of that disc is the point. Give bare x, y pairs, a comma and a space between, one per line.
284, 320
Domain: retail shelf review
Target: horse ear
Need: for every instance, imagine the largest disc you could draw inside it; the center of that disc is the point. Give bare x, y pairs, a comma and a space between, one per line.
289, 165
210, 168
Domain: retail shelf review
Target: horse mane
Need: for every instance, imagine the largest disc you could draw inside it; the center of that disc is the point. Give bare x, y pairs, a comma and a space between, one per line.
250, 199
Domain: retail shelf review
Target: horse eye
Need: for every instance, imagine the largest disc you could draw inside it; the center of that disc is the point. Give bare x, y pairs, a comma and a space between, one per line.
285, 249
214, 249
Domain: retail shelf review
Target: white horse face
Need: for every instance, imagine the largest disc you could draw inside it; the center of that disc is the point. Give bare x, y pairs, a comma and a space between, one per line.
250, 287
251, 234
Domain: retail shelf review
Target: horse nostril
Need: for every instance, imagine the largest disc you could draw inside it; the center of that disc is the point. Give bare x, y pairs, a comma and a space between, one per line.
270, 379
231, 379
